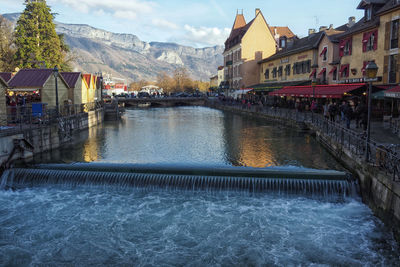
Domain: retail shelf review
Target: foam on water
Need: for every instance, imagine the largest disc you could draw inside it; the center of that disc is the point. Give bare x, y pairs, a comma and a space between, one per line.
89, 225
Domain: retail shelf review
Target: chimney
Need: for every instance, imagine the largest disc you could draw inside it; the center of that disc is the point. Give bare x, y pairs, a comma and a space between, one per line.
323, 28
311, 31
352, 21
257, 11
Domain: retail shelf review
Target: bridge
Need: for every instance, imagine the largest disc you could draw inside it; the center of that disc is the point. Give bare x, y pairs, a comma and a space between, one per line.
162, 101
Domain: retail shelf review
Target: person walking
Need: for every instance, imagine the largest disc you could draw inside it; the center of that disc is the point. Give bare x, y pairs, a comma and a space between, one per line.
348, 114
326, 111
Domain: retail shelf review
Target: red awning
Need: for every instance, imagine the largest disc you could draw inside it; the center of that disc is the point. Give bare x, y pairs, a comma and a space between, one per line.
319, 91
393, 92
332, 70
323, 51
313, 72
322, 71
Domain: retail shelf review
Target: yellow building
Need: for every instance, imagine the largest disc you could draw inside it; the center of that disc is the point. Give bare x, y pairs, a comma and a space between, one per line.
389, 42
90, 90
246, 45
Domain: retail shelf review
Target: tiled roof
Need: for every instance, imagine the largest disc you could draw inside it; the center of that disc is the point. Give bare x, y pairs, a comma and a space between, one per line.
71, 78
6, 76
236, 35
87, 78
30, 78
389, 5
310, 42
360, 26
239, 22
282, 31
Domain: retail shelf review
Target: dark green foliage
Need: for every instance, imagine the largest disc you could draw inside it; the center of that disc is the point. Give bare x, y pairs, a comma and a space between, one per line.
37, 42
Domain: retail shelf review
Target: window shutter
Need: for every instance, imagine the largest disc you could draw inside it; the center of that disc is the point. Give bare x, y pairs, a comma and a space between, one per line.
376, 40
387, 35
398, 69
385, 69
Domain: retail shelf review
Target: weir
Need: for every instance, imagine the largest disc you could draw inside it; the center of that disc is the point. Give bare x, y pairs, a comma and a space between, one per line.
281, 180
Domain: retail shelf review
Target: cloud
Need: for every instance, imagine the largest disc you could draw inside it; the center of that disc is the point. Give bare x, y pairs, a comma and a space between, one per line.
162, 23
201, 36
117, 8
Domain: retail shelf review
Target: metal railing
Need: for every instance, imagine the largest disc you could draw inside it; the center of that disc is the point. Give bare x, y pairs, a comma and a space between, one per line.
384, 157
19, 118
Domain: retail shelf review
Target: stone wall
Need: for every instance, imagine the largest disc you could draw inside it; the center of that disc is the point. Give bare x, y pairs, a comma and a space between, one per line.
49, 137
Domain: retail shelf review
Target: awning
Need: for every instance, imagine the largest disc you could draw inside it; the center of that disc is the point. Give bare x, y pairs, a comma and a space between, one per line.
319, 91
23, 89
322, 71
332, 70
323, 51
378, 95
272, 86
393, 92
241, 92
313, 72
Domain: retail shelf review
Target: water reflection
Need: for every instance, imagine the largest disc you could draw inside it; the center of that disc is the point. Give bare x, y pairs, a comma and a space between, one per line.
194, 135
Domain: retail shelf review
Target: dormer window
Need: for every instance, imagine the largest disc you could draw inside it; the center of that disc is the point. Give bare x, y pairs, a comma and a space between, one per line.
368, 13
282, 42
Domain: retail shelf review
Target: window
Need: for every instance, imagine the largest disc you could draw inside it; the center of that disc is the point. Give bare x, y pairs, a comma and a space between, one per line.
324, 53
345, 47
392, 68
308, 66
282, 42
280, 71
294, 68
370, 41
394, 37
287, 70
334, 74
368, 13
274, 73
299, 67
266, 74
344, 71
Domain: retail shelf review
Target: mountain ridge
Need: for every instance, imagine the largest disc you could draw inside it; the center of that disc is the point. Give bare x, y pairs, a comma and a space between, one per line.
126, 56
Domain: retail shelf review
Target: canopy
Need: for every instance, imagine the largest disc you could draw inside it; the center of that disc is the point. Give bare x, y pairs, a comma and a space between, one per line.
393, 92
318, 91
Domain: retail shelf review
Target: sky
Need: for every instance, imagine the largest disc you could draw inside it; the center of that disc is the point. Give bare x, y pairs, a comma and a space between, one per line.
197, 23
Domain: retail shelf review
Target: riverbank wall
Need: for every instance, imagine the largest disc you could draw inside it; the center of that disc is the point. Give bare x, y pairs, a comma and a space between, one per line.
377, 188
33, 139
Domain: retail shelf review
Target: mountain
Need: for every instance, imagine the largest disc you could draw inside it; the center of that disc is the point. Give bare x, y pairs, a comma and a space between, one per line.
126, 56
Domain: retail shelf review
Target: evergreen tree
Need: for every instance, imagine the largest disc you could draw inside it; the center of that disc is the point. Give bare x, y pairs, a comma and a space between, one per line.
7, 50
36, 39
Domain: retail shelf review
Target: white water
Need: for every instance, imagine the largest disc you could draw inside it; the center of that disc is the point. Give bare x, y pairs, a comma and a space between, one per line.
90, 225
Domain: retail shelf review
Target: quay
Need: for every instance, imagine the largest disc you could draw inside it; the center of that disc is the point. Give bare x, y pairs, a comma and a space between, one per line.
379, 176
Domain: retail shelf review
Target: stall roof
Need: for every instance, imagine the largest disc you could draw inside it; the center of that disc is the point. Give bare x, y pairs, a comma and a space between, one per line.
393, 92
319, 91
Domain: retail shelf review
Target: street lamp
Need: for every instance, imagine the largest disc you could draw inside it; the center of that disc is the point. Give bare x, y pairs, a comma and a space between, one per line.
56, 73
370, 70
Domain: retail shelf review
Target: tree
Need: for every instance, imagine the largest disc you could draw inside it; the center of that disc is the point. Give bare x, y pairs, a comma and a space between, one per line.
7, 49
36, 39
165, 82
182, 80
137, 86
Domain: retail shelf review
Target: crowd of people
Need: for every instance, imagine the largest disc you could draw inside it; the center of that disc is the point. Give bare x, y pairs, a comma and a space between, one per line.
344, 111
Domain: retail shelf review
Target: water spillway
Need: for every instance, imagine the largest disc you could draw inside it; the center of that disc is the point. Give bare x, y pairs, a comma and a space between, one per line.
289, 180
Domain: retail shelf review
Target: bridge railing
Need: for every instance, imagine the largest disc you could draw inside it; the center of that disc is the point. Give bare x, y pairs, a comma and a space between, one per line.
384, 157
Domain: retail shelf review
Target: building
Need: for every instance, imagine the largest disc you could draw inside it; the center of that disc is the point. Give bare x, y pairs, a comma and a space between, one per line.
362, 43
389, 41
40, 85
247, 44
221, 78
214, 82
74, 81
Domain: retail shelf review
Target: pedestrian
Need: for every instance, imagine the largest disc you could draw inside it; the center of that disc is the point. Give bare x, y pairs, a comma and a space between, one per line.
326, 111
332, 111
348, 114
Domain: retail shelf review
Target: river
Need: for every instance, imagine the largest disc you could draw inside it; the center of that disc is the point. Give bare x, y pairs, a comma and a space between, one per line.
94, 225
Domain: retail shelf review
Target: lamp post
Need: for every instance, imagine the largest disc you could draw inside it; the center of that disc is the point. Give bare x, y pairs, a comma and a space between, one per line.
56, 73
370, 70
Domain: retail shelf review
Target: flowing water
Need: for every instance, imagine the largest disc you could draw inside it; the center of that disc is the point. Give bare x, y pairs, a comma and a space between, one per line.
100, 224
